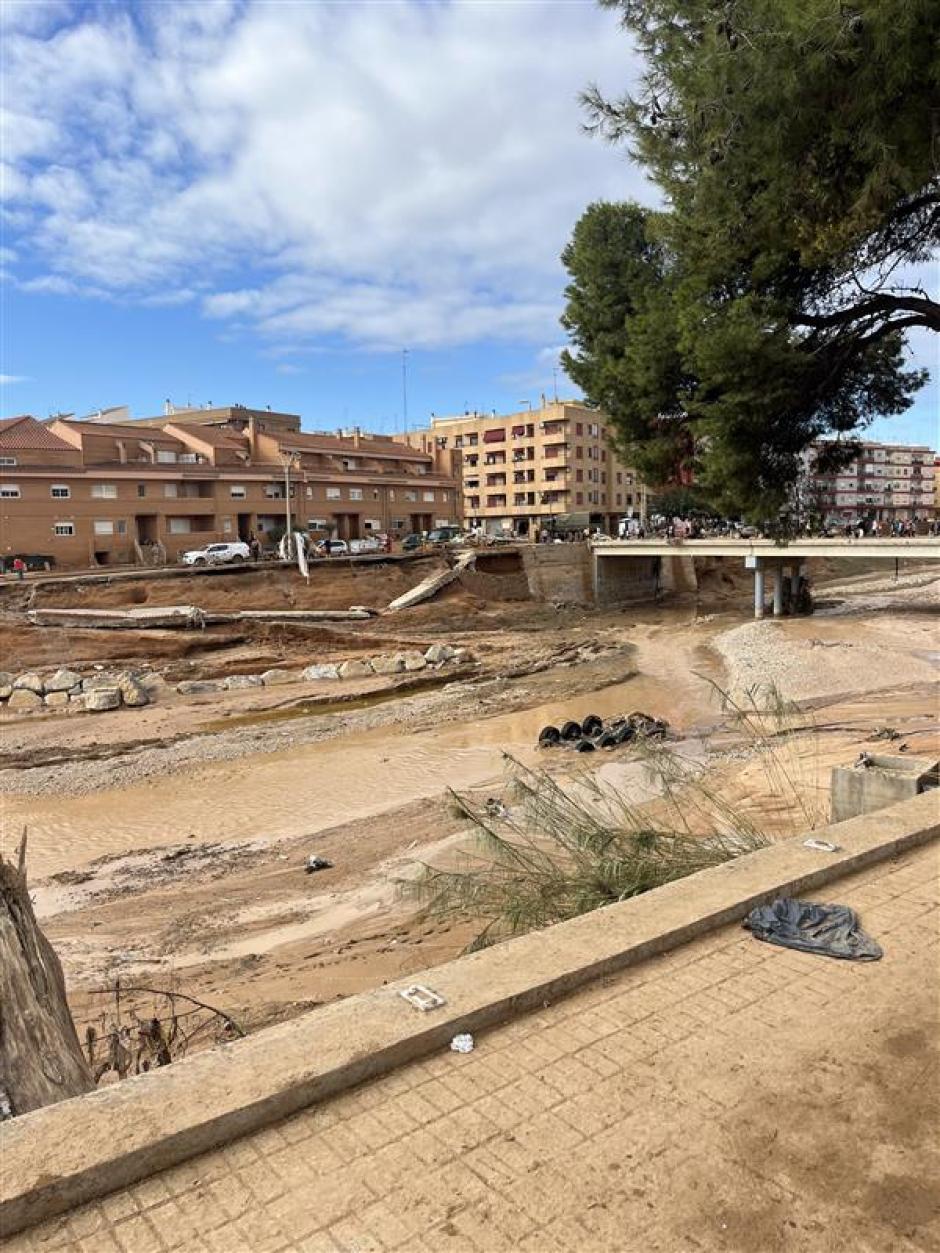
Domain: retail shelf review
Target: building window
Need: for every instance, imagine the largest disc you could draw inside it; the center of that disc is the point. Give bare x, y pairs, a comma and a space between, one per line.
398, 524
166, 455
63, 529
104, 526
227, 526
429, 496
104, 491
317, 524
9, 491
579, 498
121, 526
445, 498
141, 489
333, 493
391, 493
171, 489
7, 461
178, 526
237, 491
411, 495
355, 493
373, 524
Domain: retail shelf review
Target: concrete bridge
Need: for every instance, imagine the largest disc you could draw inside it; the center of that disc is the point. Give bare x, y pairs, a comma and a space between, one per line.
623, 567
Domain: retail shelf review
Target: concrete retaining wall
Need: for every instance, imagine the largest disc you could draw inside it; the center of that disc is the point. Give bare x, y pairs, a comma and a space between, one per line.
559, 573
624, 580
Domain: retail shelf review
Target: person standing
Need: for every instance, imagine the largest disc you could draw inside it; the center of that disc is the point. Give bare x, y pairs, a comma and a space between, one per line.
19, 567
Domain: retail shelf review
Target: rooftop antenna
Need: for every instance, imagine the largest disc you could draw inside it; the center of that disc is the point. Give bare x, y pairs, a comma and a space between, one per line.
404, 388
555, 383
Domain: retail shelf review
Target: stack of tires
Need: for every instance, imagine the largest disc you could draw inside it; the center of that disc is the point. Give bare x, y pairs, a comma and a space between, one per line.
593, 733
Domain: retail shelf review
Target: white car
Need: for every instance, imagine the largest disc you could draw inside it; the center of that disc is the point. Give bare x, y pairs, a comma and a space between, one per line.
216, 555
368, 545
338, 548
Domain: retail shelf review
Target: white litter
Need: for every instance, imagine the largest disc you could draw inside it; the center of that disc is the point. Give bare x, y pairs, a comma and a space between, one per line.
462, 1043
422, 998
822, 846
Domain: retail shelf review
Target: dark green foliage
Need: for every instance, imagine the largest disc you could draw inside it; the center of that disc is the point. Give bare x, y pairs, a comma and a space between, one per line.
795, 143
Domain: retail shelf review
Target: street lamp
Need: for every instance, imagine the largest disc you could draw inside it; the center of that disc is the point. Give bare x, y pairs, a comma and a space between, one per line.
287, 461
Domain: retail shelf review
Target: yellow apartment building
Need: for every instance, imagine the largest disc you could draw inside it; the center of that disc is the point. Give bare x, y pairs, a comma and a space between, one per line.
553, 468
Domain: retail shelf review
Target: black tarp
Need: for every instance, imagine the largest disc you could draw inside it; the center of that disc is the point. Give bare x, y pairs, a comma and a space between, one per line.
830, 930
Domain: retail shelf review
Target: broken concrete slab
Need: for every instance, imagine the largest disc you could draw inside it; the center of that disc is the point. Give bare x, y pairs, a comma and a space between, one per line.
199, 687
415, 661
56, 700
235, 681
29, 682
355, 670
433, 584
322, 671
394, 664
275, 677
133, 692
166, 616
439, 653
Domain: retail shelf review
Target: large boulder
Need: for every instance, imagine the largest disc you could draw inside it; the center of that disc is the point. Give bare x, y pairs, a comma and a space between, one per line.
29, 682
55, 700
235, 681
102, 698
437, 654
274, 678
321, 671
6, 679
132, 691
6, 689
198, 687
24, 701
414, 661
100, 679
388, 665
63, 681
355, 670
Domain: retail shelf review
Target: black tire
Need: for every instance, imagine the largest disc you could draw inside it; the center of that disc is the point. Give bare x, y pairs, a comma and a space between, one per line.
608, 740
549, 737
592, 725
571, 731
585, 746
626, 734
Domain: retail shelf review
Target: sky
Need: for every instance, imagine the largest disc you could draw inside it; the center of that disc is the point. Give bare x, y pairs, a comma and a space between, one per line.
265, 203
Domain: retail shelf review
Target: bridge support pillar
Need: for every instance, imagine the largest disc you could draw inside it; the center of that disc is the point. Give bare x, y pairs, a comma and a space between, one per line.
758, 588
778, 590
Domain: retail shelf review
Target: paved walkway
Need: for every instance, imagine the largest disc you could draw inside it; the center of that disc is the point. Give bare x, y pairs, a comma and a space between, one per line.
727, 1096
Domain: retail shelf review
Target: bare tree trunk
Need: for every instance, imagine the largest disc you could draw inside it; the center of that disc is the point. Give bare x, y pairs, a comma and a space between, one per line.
41, 1060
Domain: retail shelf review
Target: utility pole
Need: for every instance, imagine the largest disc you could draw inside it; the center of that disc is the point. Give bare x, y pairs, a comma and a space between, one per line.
289, 543
404, 388
555, 383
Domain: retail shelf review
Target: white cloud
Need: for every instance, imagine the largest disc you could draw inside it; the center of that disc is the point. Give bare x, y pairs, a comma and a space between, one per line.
386, 174
6, 380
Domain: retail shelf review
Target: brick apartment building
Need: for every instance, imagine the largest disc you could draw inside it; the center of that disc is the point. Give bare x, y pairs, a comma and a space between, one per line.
106, 492
884, 482
552, 468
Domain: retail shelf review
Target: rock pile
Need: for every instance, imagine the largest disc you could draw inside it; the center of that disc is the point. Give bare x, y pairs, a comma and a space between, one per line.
68, 690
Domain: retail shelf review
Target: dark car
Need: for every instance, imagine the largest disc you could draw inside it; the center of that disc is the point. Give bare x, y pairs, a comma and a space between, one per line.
32, 561
411, 542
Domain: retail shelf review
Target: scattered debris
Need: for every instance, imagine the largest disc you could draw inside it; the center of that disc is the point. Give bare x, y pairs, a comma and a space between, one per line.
829, 930
822, 846
422, 998
462, 1043
594, 733
314, 863
886, 733
864, 760
495, 808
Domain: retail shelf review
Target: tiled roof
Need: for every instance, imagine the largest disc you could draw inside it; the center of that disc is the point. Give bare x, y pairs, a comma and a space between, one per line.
346, 447
211, 435
26, 433
122, 431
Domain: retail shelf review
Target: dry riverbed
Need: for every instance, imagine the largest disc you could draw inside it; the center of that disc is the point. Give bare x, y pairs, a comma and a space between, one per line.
167, 846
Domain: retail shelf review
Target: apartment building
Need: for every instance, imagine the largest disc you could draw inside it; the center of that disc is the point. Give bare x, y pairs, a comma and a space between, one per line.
884, 482
552, 468
106, 492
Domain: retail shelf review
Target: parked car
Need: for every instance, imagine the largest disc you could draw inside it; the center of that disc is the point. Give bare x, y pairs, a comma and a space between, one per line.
32, 561
411, 542
216, 555
444, 535
338, 548
368, 545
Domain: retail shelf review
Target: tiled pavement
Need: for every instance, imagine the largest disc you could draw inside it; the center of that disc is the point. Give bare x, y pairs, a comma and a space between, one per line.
727, 1096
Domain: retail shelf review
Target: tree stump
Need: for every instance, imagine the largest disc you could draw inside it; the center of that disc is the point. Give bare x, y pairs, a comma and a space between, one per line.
41, 1059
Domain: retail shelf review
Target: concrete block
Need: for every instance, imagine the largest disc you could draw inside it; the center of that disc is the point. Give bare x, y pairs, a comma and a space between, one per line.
29, 682
236, 681
388, 665
55, 700
438, 653
415, 661
133, 693
199, 687
24, 701
355, 670
274, 678
63, 681
102, 698
876, 781
324, 671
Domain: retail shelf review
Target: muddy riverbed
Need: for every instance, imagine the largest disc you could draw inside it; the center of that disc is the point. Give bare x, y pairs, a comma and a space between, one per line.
171, 843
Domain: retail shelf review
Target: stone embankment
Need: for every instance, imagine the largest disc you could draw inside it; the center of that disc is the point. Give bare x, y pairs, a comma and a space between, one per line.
68, 691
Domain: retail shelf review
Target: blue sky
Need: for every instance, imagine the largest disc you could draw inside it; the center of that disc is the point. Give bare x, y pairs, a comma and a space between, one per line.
264, 203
